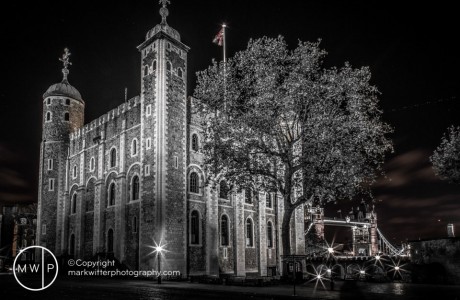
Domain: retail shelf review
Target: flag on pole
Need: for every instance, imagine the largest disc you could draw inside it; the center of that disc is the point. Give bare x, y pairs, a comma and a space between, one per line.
219, 38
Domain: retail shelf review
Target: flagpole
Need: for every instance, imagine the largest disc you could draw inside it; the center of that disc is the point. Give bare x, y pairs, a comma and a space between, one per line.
224, 26
225, 46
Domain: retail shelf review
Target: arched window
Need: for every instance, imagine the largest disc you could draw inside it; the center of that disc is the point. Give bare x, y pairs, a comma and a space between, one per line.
269, 235
74, 172
135, 187
248, 196
168, 66
92, 164
154, 65
72, 245
269, 198
195, 145
48, 116
89, 195
113, 158
67, 101
195, 228
134, 147
179, 72
146, 70
73, 204
110, 240
224, 236
223, 190
66, 116
194, 183
111, 194
249, 233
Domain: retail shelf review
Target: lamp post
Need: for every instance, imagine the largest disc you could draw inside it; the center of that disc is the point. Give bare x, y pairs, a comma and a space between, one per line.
158, 250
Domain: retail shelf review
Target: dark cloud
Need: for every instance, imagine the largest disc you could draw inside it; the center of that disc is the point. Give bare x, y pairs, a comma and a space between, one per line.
15, 187
412, 202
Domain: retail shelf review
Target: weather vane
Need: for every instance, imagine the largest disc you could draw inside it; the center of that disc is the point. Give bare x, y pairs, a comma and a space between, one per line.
164, 11
66, 62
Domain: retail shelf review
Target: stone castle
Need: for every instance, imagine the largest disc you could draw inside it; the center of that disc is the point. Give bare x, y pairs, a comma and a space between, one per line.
133, 178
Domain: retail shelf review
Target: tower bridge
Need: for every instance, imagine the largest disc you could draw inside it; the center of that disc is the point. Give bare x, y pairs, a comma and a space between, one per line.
368, 255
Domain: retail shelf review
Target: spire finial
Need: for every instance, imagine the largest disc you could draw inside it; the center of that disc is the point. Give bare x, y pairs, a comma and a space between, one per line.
164, 12
66, 62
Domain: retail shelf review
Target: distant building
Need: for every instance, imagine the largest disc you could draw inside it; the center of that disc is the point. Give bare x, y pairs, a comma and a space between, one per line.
450, 230
18, 227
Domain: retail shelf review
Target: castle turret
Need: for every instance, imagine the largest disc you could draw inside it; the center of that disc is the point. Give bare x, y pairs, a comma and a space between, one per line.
163, 119
63, 112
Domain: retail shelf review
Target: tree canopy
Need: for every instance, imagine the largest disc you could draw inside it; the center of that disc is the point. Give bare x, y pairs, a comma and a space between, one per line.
276, 119
446, 158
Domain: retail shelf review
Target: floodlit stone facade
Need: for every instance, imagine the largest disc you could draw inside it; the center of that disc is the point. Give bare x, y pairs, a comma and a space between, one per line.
134, 178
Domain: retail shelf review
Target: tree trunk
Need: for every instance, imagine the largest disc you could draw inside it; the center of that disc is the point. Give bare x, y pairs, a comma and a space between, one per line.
286, 229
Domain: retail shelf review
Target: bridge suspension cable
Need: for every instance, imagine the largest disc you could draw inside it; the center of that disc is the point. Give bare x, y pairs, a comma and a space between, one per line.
388, 246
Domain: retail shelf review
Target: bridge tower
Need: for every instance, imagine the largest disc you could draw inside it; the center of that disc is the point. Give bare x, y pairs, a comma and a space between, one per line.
374, 245
315, 216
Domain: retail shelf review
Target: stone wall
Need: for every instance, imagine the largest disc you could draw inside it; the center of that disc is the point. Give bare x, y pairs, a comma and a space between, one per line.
436, 261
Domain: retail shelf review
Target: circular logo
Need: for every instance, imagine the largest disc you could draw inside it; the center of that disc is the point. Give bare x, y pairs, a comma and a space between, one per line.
35, 268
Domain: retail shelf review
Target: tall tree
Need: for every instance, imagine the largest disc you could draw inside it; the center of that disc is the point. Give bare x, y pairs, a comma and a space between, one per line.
276, 120
446, 158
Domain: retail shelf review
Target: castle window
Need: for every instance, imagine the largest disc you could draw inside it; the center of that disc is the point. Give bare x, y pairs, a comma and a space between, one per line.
66, 116
67, 101
110, 241
248, 196
249, 233
179, 72
74, 173
224, 234
113, 158
223, 189
135, 188
168, 66
72, 245
92, 164
149, 143
169, 46
146, 70
48, 101
194, 183
195, 145
48, 116
195, 228
73, 204
154, 65
147, 170
51, 184
176, 162
134, 224
269, 235
269, 200
134, 148
148, 110
111, 195
50, 164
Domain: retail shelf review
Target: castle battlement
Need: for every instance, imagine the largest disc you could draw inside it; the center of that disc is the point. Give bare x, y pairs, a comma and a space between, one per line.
116, 112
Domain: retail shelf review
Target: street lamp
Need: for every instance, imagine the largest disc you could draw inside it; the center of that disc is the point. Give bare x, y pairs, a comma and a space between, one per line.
377, 257
158, 250
397, 268
330, 250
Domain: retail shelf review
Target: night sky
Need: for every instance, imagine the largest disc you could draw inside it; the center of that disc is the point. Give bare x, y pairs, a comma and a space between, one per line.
412, 52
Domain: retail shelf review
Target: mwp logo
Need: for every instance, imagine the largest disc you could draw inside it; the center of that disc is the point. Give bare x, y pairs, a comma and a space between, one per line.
35, 268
